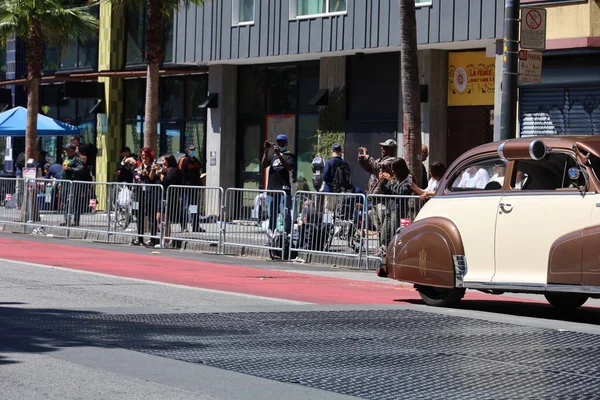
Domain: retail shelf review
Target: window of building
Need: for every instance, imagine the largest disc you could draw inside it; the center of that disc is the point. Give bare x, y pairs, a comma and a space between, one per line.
74, 54
2, 63
242, 12
304, 8
180, 120
135, 41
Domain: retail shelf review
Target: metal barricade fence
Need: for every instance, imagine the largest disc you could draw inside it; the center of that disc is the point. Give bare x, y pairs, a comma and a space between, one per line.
329, 223
384, 215
193, 214
136, 210
247, 220
12, 191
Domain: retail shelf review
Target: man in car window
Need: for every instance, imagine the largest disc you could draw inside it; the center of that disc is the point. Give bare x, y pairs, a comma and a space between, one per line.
499, 171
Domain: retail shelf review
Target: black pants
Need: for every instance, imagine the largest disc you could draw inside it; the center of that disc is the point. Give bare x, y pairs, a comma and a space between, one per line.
147, 206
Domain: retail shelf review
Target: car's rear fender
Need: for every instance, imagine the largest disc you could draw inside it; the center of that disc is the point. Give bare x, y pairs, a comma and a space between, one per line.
428, 252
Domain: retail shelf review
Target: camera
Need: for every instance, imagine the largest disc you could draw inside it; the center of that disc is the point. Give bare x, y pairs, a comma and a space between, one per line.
268, 145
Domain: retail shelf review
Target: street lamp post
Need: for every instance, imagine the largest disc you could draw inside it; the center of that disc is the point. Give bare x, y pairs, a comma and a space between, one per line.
510, 72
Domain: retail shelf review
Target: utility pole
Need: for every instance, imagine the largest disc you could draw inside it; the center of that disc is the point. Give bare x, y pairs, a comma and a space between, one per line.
510, 72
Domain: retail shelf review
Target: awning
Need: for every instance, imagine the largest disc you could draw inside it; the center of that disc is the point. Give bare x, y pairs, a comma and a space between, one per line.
14, 121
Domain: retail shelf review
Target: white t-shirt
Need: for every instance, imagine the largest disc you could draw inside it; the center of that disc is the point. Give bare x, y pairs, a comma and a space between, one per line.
478, 180
432, 185
499, 179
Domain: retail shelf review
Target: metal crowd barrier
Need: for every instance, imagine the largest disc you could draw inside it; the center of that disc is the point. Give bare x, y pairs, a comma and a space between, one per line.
246, 218
193, 214
384, 215
329, 223
136, 211
350, 225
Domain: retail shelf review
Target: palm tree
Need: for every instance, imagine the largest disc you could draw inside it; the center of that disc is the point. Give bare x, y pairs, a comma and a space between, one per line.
411, 94
40, 22
157, 12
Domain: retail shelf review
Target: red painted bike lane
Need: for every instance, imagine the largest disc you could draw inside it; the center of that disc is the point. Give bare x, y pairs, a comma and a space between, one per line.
216, 276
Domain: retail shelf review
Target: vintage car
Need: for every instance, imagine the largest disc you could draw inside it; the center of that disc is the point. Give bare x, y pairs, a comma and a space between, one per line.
521, 215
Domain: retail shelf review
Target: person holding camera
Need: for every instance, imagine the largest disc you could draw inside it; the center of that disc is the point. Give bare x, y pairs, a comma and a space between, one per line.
147, 198
382, 170
168, 174
281, 166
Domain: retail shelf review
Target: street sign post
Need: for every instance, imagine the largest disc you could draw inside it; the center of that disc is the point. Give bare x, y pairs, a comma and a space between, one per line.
530, 66
533, 28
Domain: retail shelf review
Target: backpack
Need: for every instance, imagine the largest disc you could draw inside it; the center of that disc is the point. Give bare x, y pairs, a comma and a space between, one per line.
342, 182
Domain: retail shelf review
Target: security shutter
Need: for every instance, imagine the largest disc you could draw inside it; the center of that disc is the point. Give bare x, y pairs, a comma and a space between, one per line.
559, 111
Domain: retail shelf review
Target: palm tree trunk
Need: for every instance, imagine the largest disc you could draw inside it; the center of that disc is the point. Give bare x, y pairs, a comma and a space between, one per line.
151, 112
34, 67
411, 95
154, 56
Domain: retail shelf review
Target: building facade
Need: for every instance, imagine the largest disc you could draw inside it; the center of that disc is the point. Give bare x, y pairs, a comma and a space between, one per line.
238, 72
307, 67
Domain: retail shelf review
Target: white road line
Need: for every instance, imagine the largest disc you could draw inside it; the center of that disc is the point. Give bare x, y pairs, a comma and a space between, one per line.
174, 285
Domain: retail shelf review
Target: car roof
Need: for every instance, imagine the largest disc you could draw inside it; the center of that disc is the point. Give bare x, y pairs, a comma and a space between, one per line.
554, 141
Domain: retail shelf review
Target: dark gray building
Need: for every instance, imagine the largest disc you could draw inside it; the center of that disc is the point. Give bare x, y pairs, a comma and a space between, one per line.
303, 67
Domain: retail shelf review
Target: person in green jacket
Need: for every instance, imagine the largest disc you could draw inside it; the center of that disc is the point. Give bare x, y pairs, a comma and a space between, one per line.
73, 196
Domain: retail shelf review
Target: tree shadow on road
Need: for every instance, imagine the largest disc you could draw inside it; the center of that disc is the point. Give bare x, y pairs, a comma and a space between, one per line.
24, 330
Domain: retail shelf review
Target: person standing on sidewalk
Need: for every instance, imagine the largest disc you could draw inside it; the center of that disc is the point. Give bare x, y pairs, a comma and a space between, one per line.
73, 170
190, 168
281, 166
378, 169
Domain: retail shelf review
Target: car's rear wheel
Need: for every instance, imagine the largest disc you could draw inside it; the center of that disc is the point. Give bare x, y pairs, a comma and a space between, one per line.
440, 297
566, 301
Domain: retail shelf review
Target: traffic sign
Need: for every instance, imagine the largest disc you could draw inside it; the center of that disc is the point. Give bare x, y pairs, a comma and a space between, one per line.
530, 66
533, 28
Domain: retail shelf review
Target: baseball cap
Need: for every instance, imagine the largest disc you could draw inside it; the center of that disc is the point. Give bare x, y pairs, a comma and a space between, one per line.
336, 147
190, 147
70, 146
283, 138
125, 150
389, 143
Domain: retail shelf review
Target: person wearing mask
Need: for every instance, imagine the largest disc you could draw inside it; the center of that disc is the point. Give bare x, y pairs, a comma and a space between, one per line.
73, 169
147, 198
281, 166
168, 174
190, 168
438, 169
125, 171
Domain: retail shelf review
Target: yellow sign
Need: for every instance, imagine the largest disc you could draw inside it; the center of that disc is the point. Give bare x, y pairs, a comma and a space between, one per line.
471, 79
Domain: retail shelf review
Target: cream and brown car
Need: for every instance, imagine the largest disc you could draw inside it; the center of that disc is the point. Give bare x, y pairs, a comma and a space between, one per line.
521, 215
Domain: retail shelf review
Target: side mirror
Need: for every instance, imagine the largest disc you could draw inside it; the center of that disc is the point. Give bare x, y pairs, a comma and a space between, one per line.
574, 173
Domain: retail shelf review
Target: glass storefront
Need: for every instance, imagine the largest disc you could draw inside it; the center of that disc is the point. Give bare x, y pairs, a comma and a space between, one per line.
73, 111
180, 122
273, 100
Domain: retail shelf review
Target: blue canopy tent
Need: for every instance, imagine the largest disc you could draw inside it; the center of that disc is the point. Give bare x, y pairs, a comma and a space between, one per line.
14, 121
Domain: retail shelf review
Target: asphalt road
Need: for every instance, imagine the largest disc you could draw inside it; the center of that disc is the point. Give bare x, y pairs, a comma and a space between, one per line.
179, 325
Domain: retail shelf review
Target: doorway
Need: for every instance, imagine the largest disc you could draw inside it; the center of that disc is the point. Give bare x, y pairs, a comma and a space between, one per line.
468, 127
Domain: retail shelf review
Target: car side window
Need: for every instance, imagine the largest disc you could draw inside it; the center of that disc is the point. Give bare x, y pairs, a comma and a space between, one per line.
551, 173
480, 175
